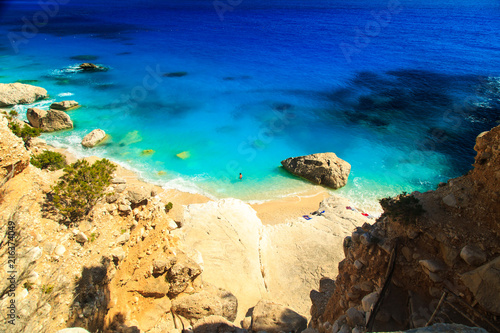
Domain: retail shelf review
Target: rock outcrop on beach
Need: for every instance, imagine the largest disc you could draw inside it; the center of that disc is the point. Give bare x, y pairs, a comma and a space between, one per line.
18, 93
13, 155
49, 120
323, 169
236, 247
94, 138
64, 105
415, 267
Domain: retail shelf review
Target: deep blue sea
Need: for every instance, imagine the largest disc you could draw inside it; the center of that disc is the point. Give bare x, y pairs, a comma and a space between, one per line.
399, 89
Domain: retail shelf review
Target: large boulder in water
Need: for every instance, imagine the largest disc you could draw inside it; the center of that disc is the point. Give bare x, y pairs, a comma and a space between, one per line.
323, 169
64, 105
49, 121
94, 138
18, 93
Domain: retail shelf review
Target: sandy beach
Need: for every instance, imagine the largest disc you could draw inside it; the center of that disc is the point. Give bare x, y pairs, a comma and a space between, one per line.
271, 212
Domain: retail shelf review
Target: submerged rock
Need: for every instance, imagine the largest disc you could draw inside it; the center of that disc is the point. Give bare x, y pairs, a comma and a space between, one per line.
49, 121
323, 169
94, 138
64, 105
175, 74
89, 67
18, 93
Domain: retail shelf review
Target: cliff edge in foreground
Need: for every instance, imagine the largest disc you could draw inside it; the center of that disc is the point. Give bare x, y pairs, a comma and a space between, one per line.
431, 257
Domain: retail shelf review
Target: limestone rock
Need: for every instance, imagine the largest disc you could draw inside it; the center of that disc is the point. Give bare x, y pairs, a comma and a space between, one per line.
89, 67
227, 299
73, 330
355, 317
80, 237
18, 93
64, 105
212, 324
34, 254
324, 169
197, 306
161, 266
273, 318
123, 238
450, 200
94, 138
49, 121
118, 254
13, 154
484, 283
138, 194
151, 287
432, 265
118, 181
368, 302
149, 319
59, 250
472, 255
182, 273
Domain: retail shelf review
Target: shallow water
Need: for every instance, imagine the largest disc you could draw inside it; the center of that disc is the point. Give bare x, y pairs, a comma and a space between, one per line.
269, 81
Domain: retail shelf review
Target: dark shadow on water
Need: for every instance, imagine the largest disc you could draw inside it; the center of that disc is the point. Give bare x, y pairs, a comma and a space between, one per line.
435, 111
70, 25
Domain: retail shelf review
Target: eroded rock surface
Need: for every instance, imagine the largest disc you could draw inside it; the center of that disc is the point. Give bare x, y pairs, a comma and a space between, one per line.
19, 93
323, 169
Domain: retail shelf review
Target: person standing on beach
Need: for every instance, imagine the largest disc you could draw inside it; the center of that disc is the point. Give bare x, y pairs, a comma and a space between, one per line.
241, 176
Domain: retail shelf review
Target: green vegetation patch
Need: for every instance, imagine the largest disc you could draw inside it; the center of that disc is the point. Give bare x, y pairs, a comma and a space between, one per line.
80, 187
49, 160
404, 208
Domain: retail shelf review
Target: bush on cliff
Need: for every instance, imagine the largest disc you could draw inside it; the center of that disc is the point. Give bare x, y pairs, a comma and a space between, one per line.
80, 188
49, 160
404, 208
26, 132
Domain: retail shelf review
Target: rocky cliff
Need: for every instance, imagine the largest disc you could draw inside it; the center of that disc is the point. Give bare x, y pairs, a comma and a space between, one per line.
431, 257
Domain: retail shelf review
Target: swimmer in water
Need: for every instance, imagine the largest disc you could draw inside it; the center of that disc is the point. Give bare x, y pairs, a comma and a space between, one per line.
241, 176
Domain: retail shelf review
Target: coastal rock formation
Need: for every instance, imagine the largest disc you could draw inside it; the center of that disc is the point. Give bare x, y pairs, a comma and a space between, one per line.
89, 67
236, 247
419, 261
13, 154
94, 138
227, 233
323, 169
274, 318
49, 121
18, 93
64, 105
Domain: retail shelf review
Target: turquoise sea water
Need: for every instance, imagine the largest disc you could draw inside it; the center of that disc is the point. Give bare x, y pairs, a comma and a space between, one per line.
397, 89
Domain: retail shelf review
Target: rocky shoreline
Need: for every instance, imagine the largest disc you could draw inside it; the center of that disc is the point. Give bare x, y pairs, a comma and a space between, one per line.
202, 265
129, 231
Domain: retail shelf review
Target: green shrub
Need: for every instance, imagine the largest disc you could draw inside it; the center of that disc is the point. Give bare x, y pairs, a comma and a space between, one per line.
49, 160
26, 132
169, 206
80, 187
404, 208
47, 289
13, 113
